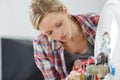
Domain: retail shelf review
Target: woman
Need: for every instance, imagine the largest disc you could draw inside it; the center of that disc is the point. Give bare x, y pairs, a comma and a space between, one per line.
63, 37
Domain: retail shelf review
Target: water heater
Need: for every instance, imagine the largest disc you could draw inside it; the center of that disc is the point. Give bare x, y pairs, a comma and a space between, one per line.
108, 37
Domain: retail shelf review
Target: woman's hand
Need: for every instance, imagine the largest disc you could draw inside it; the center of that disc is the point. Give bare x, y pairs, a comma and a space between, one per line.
77, 64
74, 75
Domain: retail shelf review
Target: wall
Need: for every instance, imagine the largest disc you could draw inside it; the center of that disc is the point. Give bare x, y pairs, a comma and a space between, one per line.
84, 6
14, 19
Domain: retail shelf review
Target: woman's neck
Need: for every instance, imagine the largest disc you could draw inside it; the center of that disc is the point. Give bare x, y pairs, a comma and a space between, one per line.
77, 33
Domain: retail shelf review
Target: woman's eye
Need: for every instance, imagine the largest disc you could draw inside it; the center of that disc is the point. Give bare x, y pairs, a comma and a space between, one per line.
49, 33
59, 24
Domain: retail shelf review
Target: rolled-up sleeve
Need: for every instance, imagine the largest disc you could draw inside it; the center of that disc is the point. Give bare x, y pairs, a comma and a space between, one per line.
44, 63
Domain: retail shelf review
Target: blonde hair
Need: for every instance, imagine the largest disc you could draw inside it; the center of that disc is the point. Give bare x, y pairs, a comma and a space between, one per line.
39, 8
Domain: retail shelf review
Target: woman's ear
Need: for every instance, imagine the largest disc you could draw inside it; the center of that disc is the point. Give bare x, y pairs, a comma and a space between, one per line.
65, 10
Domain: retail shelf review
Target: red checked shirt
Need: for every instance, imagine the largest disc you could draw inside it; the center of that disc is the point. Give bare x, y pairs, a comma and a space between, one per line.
49, 55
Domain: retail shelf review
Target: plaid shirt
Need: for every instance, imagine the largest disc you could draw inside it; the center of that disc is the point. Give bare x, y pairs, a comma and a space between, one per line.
49, 55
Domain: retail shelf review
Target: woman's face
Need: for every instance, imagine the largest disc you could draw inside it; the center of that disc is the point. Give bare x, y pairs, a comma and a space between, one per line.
56, 26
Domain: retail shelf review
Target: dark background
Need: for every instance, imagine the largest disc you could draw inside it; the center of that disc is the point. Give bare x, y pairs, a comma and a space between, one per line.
18, 60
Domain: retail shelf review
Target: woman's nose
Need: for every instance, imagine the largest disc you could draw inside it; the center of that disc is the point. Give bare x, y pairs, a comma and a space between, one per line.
58, 33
